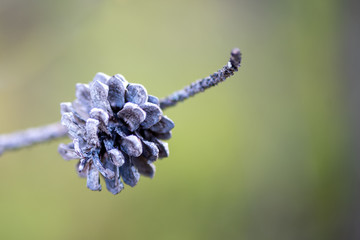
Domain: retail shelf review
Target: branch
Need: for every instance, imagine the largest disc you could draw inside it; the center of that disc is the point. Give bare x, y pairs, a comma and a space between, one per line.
205, 83
31, 136
46, 133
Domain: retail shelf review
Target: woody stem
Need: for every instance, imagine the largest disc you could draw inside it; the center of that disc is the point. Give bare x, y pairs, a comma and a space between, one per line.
52, 131
205, 83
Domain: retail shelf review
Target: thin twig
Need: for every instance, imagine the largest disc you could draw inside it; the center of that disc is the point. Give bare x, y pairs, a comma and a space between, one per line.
46, 133
205, 83
31, 136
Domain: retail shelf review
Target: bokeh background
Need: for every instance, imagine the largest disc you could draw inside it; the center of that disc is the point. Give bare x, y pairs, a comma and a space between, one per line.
269, 154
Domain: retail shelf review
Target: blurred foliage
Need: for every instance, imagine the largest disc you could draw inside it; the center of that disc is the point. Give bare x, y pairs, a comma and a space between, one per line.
258, 157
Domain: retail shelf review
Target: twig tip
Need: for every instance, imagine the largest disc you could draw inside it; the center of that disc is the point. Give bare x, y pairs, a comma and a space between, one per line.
235, 57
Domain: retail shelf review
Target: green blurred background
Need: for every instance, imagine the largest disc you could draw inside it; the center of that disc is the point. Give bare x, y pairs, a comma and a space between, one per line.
265, 155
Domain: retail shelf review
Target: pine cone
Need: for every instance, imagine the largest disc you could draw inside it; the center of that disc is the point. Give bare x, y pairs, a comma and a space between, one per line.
116, 129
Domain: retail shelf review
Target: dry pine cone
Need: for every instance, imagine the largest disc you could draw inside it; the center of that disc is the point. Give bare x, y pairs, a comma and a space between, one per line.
116, 129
